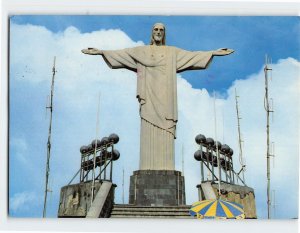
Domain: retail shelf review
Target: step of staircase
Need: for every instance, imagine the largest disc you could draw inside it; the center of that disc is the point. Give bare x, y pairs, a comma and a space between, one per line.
132, 211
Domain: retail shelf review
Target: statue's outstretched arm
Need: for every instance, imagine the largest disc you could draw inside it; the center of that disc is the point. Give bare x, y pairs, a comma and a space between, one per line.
92, 51
222, 52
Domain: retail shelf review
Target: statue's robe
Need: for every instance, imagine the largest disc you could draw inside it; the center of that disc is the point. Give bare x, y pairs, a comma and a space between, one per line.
156, 68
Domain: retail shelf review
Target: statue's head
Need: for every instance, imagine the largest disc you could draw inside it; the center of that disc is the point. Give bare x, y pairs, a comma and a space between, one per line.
158, 36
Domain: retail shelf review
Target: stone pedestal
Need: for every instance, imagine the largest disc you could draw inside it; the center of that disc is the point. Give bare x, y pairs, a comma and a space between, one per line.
157, 188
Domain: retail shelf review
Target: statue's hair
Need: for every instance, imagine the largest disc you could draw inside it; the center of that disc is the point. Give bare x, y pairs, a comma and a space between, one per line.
164, 37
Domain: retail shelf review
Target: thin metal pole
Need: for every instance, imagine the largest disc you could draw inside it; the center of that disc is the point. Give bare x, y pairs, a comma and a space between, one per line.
83, 172
123, 186
201, 164
212, 163
239, 135
49, 141
74, 176
95, 151
226, 171
105, 161
231, 161
209, 172
81, 163
230, 168
101, 159
111, 162
218, 155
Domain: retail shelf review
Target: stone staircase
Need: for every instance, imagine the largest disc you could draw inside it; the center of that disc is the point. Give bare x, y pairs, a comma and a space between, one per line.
132, 211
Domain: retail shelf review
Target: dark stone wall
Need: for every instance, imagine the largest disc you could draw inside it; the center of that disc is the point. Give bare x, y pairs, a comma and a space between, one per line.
157, 188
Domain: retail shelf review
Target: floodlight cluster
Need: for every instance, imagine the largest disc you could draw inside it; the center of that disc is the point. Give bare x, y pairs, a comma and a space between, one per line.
214, 154
99, 153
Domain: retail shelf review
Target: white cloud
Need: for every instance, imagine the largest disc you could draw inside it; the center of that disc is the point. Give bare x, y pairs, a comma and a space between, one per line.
22, 201
21, 148
80, 78
196, 110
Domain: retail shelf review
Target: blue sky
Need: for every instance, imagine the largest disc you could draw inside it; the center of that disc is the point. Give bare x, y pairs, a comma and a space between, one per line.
35, 40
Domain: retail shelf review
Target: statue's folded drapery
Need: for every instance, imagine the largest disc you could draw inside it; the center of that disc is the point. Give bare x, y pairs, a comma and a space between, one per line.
156, 68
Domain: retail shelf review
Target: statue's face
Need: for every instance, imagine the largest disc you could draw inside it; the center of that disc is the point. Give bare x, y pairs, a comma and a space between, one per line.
158, 33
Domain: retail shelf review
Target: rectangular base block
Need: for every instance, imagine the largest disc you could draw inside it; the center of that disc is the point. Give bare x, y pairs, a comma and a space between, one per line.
157, 188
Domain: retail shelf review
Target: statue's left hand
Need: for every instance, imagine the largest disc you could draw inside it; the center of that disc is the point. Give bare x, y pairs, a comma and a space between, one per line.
222, 52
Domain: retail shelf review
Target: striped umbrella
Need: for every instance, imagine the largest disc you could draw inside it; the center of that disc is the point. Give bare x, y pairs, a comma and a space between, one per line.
219, 209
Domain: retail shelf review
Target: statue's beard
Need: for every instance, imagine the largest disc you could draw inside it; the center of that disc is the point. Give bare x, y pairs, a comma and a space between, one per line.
158, 39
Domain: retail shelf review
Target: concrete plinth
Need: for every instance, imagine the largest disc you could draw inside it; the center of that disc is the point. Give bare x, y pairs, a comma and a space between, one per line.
157, 188
75, 200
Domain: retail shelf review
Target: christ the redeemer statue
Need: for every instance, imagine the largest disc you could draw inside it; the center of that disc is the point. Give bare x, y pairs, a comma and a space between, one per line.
156, 66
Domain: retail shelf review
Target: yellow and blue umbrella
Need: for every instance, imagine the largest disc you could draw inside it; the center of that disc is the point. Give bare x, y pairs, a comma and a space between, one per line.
217, 209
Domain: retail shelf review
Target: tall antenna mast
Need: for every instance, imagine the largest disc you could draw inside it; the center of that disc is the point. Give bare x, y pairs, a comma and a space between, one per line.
49, 141
240, 138
268, 111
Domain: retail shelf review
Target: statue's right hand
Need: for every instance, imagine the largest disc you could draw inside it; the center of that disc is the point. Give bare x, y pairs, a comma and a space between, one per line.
92, 51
